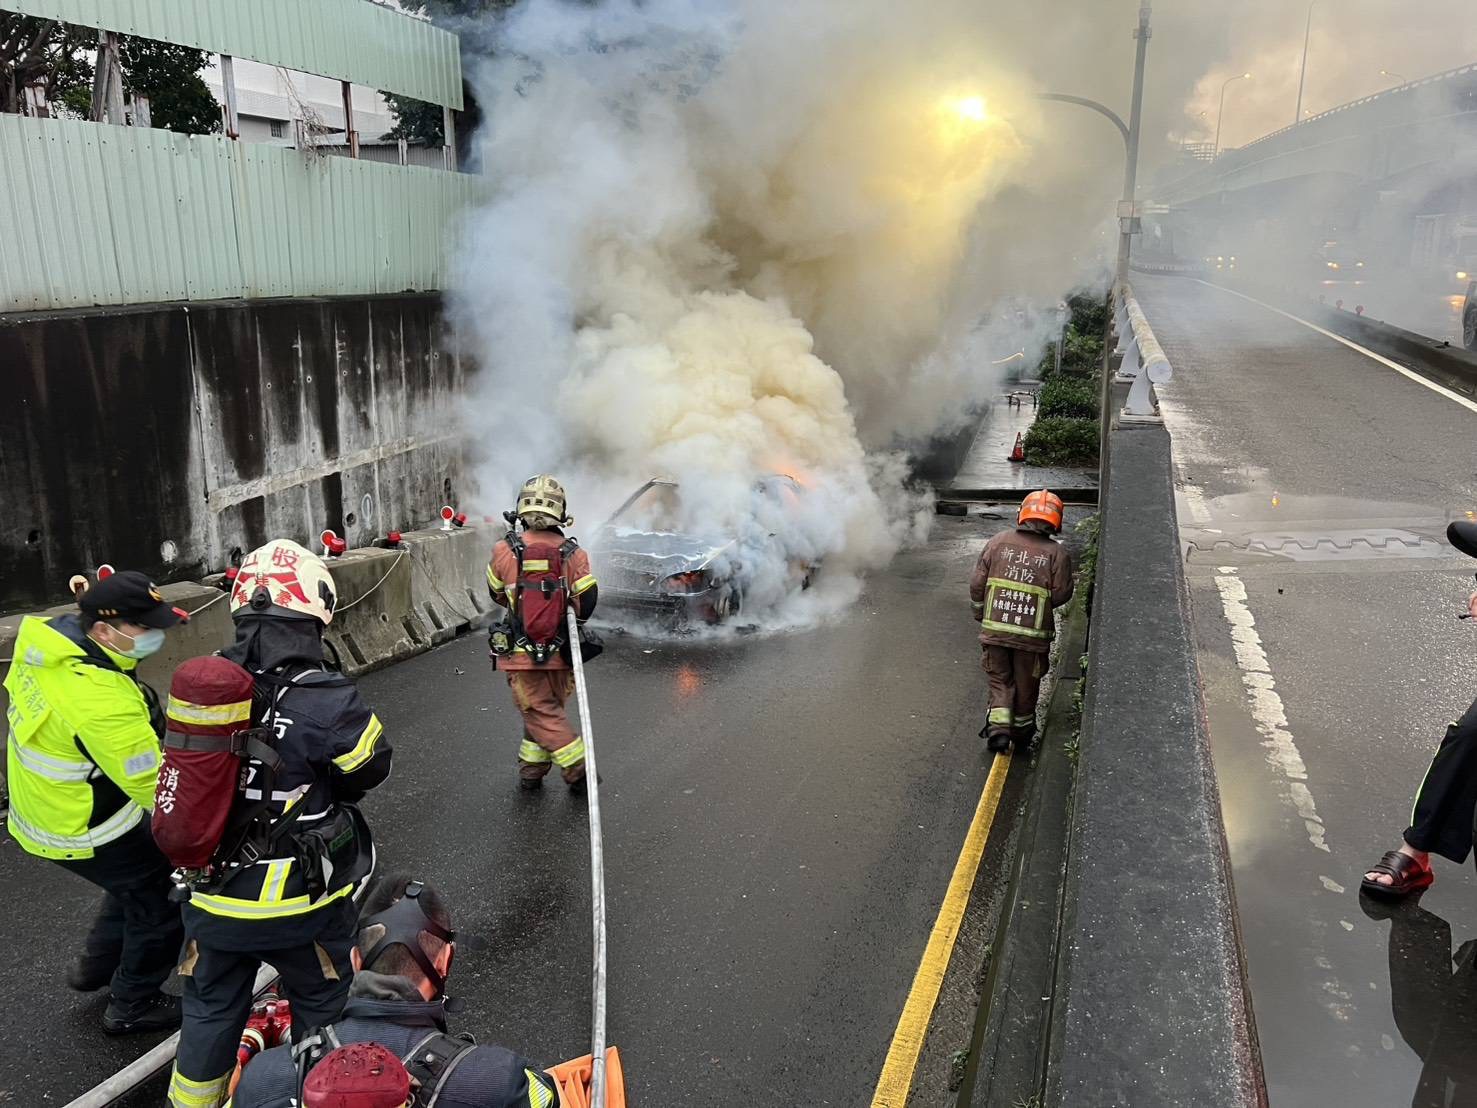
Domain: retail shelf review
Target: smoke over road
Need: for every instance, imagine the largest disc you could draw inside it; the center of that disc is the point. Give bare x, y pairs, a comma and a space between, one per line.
728, 240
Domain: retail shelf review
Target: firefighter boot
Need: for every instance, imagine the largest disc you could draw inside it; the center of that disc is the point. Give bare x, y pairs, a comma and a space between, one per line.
90, 972
160, 1012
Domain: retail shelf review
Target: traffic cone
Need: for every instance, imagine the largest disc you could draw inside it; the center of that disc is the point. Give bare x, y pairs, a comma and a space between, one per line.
1018, 451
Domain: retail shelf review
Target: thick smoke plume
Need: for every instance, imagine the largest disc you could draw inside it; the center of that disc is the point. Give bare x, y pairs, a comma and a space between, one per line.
728, 240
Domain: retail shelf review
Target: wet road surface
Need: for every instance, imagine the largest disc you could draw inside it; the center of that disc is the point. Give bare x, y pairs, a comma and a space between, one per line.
782, 814
1315, 485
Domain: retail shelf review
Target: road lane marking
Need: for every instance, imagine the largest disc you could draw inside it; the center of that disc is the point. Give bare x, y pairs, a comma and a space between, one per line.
1267, 710
912, 1026
1396, 366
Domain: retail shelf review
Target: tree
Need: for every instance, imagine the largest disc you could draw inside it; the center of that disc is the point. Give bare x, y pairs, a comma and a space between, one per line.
61, 56
417, 121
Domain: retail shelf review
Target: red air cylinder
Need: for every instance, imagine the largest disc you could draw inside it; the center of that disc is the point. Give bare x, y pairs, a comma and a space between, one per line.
360, 1075
209, 700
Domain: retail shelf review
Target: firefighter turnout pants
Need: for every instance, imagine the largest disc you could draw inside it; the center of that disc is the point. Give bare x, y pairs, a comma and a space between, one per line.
548, 738
219, 969
1445, 803
1015, 685
137, 930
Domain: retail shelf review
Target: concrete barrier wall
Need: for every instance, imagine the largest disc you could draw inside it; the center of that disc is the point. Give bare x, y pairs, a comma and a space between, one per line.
162, 438
1151, 913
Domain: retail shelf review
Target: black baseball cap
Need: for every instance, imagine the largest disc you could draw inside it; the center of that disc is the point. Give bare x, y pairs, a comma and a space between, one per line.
131, 596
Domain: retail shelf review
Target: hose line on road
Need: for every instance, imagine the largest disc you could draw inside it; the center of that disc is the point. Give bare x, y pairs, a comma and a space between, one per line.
597, 872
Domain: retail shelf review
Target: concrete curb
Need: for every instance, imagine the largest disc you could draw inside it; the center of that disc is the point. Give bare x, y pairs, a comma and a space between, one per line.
1152, 1005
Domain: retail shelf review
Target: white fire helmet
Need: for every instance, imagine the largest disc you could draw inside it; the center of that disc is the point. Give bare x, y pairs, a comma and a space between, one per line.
542, 495
282, 578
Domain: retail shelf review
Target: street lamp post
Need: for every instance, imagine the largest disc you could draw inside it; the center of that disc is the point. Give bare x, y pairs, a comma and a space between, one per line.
1396, 77
1221, 111
1297, 115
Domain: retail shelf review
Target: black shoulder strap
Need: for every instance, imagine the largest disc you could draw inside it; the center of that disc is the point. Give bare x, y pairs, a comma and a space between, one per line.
311, 1049
430, 1064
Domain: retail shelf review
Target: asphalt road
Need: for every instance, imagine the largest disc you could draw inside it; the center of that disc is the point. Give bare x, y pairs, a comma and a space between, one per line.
782, 814
1332, 662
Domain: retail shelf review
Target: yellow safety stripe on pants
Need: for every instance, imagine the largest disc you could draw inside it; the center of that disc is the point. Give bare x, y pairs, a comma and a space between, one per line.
571, 755
494, 582
185, 1093
584, 584
1026, 721
530, 751
999, 715
186, 712
124, 820
363, 749
539, 1095
44, 765
237, 908
536, 565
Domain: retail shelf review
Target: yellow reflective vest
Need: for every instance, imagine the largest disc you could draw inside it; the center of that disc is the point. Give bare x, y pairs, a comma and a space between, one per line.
82, 757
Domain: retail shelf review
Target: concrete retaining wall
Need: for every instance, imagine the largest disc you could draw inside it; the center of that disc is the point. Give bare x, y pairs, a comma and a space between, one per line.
1152, 1007
162, 438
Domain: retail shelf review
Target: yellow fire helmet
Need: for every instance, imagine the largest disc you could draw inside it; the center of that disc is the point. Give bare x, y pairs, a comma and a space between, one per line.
282, 578
543, 495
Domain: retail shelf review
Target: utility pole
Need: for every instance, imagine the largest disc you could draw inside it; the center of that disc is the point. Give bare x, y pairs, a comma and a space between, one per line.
1127, 210
107, 82
1297, 115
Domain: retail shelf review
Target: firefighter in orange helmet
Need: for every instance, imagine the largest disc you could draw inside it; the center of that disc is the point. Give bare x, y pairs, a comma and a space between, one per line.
537, 573
1021, 577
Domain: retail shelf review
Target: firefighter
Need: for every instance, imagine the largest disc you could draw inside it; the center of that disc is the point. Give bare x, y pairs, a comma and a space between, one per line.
83, 761
295, 848
536, 574
1021, 578
402, 957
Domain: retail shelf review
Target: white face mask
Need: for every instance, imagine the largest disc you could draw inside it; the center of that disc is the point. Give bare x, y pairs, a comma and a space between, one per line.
143, 644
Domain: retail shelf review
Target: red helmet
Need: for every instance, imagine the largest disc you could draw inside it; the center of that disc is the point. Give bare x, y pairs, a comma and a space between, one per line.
360, 1075
1044, 506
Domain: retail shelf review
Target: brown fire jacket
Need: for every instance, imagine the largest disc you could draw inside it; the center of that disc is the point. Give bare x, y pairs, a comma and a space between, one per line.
502, 582
1020, 578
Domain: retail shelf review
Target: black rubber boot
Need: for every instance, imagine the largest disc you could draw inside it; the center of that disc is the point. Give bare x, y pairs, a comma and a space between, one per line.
998, 742
530, 784
160, 1012
88, 974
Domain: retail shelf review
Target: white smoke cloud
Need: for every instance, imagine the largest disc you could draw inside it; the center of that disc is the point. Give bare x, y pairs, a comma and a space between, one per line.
732, 239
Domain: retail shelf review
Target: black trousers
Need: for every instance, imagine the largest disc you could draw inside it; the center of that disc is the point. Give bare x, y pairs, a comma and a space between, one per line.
1447, 800
137, 928
221, 960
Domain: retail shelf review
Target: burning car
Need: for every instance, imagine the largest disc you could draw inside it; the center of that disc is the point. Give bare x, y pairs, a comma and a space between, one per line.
648, 562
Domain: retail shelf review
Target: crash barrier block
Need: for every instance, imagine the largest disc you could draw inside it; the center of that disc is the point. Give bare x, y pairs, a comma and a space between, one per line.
448, 578
1448, 365
374, 623
1153, 1008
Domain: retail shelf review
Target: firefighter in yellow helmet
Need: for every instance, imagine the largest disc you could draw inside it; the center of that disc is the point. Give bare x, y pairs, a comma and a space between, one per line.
280, 888
537, 574
1021, 577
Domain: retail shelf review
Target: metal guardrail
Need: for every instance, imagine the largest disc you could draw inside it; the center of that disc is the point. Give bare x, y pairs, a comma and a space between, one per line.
1144, 362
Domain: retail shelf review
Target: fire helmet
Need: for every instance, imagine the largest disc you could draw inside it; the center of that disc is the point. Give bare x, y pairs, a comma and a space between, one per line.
543, 495
284, 579
1042, 506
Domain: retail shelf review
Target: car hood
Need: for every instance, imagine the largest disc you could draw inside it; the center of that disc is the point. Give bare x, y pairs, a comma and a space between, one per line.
660, 553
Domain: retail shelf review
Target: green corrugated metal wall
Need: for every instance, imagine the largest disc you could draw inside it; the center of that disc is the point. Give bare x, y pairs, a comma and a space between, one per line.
96, 214
351, 40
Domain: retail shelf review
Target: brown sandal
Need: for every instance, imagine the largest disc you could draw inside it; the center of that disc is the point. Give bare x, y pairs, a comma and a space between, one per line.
1406, 876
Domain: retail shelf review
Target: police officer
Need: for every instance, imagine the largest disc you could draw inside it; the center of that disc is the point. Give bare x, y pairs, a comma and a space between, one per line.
541, 682
83, 760
295, 848
1021, 578
403, 955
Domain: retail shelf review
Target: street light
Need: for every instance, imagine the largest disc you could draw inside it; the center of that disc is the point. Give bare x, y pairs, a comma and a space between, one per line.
1216, 149
1396, 77
1297, 115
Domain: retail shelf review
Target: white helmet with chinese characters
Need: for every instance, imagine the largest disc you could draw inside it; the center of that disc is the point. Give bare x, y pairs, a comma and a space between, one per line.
281, 578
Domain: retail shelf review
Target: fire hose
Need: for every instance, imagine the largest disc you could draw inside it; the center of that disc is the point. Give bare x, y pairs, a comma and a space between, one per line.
597, 873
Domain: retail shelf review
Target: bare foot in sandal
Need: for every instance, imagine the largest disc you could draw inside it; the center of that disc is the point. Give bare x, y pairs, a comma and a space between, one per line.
1400, 872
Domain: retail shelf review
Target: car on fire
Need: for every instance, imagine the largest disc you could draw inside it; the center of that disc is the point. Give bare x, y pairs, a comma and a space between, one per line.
649, 563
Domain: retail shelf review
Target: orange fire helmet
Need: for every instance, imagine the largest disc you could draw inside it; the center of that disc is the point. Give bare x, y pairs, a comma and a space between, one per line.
1044, 506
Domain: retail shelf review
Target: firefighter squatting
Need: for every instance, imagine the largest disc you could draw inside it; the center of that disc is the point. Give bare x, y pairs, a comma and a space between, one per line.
224, 827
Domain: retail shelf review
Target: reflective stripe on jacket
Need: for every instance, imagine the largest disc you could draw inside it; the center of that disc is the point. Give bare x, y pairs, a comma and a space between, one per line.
82, 756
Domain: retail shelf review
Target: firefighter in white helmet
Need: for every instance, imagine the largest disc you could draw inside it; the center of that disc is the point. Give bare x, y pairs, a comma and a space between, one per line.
295, 848
537, 574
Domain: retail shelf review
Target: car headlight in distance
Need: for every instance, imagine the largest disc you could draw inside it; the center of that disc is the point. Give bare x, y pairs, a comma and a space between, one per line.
1461, 275
686, 584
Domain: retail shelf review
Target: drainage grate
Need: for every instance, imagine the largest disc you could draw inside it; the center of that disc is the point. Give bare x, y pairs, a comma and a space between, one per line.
1320, 545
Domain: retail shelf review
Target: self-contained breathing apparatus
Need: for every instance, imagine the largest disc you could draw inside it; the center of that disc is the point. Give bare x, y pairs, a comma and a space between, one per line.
534, 623
432, 1059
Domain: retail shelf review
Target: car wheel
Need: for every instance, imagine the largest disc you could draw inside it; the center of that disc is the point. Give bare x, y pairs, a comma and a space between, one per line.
1469, 330
728, 604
